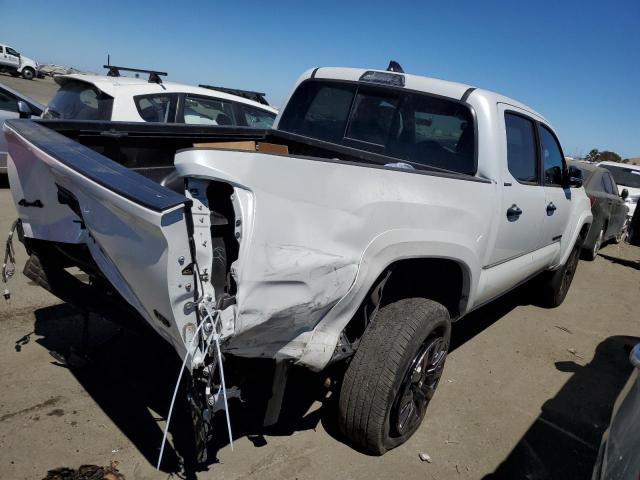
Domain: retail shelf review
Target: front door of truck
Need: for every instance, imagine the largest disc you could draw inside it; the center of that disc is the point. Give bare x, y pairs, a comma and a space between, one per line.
10, 58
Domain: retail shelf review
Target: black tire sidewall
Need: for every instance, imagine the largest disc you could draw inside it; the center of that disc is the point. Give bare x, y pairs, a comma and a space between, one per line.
431, 326
559, 293
32, 74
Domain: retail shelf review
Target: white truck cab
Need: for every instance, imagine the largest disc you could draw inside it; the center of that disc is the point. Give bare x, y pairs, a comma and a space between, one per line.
133, 99
13, 62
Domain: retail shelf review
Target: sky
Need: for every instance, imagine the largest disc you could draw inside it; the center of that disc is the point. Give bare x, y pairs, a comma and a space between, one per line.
577, 63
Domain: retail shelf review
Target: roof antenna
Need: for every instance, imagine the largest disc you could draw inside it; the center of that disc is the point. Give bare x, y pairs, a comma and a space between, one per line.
394, 67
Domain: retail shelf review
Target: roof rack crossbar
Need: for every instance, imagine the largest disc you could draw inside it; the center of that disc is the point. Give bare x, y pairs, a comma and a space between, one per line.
154, 75
249, 94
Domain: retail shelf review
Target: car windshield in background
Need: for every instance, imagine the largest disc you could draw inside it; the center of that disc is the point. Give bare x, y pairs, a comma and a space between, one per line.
418, 128
79, 101
627, 177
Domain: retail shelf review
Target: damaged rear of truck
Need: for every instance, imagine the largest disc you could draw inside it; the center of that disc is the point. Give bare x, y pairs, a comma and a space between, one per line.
289, 245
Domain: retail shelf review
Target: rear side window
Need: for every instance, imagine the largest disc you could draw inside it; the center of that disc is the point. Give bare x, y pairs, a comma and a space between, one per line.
419, 128
521, 148
256, 118
608, 184
79, 101
552, 158
154, 108
208, 111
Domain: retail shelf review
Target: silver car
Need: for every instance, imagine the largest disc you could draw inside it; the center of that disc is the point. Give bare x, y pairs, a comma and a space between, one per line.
13, 104
619, 456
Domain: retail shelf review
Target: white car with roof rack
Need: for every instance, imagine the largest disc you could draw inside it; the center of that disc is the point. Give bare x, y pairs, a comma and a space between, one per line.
132, 99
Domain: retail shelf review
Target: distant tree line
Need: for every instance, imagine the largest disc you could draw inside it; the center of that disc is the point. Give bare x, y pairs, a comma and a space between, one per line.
596, 155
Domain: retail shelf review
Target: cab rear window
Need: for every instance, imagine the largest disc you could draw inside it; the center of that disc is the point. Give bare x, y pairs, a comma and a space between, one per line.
421, 129
79, 101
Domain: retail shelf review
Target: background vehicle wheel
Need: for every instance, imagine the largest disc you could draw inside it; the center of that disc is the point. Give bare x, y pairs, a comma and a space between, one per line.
394, 374
28, 73
556, 284
622, 234
592, 253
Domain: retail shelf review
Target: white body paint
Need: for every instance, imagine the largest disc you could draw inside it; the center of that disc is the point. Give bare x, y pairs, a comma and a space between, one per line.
314, 234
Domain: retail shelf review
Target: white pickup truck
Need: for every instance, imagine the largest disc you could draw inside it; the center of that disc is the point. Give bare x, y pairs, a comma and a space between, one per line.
17, 64
381, 207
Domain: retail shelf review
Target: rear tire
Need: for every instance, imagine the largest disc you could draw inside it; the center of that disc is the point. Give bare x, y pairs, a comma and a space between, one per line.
28, 73
556, 284
622, 234
394, 373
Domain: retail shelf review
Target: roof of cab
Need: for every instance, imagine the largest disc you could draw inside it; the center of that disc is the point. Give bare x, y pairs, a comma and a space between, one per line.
419, 83
140, 86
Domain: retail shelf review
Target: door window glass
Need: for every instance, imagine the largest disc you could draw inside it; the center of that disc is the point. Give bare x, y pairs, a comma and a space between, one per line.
11, 51
208, 111
521, 148
551, 158
154, 108
257, 118
608, 184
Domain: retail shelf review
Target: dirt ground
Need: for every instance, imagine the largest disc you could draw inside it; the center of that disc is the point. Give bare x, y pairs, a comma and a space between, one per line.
40, 89
526, 393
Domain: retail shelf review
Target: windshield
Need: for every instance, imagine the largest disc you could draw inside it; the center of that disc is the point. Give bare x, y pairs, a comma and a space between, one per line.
627, 177
79, 101
423, 130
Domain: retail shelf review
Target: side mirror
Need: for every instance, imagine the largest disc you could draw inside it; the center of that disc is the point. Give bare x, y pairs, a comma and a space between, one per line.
624, 194
575, 177
24, 109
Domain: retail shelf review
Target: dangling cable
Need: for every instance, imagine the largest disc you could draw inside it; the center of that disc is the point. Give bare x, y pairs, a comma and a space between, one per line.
216, 338
175, 392
9, 262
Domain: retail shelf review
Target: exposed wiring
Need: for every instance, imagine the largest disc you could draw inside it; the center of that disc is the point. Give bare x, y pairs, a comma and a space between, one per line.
175, 393
9, 262
214, 336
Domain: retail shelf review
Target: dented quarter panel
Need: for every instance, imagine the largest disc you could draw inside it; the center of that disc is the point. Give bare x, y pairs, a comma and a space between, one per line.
316, 234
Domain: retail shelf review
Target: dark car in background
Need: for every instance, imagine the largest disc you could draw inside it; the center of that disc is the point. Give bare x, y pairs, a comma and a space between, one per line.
608, 207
